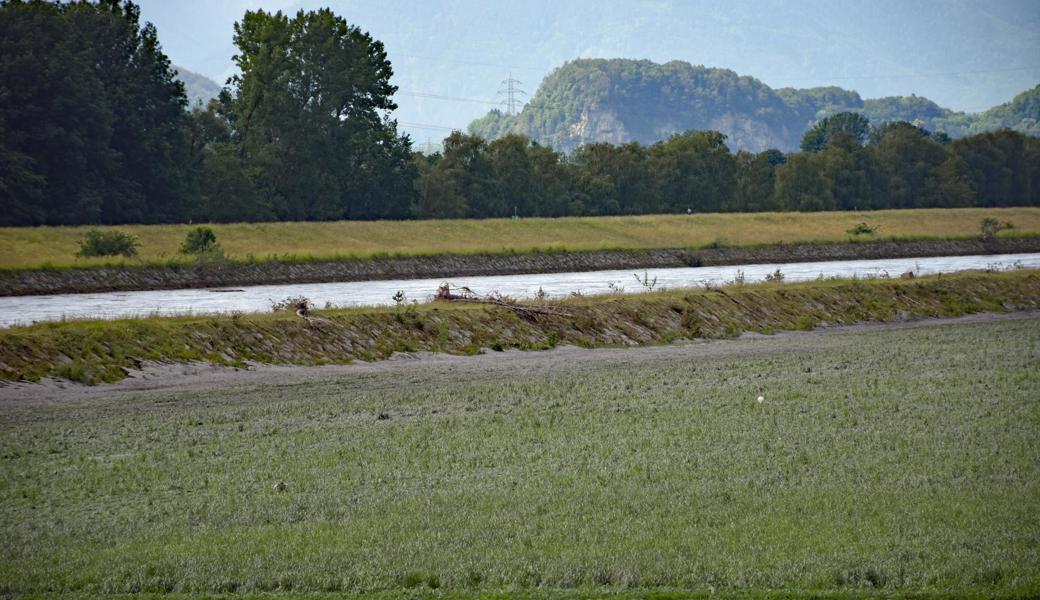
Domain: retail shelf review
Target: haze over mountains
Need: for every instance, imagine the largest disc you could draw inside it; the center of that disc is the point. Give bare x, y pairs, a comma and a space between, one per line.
450, 57
200, 89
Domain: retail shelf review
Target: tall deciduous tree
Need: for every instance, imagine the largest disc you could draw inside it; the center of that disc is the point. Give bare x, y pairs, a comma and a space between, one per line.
844, 124
309, 109
694, 170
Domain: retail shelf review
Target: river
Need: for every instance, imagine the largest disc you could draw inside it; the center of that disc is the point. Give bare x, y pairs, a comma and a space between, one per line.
23, 310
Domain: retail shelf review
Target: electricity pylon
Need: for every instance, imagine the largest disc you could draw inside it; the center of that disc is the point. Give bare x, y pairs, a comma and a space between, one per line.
512, 94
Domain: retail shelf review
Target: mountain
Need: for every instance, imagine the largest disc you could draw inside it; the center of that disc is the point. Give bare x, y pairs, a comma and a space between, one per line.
622, 100
200, 89
450, 56
1021, 114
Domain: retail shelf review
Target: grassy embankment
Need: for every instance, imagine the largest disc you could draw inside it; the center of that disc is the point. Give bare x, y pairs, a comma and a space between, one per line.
55, 247
94, 351
900, 463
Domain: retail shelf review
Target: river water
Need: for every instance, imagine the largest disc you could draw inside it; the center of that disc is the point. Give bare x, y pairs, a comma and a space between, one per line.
23, 310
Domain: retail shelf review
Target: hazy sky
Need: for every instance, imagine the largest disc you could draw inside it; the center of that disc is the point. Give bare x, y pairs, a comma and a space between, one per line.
450, 56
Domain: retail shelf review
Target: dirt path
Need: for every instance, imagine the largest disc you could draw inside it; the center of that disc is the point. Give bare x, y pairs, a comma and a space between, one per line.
187, 377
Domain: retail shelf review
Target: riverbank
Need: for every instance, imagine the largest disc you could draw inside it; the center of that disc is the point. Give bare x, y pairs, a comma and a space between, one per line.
104, 351
216, 274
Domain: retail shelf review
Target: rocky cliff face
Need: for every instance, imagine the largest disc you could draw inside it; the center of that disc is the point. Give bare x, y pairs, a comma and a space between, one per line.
597, 124
744, 132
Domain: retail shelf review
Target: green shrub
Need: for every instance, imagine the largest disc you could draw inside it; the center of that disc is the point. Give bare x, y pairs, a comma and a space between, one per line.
200, 240
990, 227
108, 243
862, 229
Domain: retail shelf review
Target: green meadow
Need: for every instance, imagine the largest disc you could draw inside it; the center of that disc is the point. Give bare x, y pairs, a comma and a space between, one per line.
896, 462
40, 247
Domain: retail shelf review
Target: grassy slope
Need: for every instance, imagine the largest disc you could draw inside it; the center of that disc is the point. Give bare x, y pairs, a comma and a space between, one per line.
56, 246
92, 351
902, 461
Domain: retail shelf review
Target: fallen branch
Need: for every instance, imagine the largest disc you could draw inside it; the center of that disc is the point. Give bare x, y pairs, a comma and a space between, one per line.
301, 306
464, 294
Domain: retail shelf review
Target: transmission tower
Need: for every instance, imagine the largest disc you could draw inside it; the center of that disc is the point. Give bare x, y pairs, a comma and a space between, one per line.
512, 94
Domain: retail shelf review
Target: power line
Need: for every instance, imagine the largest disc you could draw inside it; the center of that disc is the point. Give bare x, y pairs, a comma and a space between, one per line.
427, 126
452, 98
476, 63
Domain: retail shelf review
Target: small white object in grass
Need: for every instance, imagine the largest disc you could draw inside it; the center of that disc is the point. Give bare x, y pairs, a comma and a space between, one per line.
761, 399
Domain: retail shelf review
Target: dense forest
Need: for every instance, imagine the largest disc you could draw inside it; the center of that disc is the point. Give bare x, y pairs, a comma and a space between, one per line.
95, 127
621, 100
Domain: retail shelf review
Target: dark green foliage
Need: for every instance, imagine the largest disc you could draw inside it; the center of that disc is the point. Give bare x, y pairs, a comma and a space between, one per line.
108, 243
694, 170
93, 129
91, 117
1004, 167
200, 240
862, 229
308, 116
847, 127
902, 166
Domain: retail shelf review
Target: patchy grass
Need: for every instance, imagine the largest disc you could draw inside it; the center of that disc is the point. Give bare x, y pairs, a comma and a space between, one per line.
55, 247
900, 463
100, 351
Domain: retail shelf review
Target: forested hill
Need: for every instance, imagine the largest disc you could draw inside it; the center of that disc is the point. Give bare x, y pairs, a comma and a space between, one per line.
621, 100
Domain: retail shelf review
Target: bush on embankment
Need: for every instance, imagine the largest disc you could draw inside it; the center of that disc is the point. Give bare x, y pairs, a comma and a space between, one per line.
105, 351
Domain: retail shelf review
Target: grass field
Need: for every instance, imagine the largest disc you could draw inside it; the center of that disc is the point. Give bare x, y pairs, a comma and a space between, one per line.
900, 461
57, 246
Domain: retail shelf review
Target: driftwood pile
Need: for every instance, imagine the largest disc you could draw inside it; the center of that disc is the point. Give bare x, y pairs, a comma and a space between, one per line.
300, 305
445, 293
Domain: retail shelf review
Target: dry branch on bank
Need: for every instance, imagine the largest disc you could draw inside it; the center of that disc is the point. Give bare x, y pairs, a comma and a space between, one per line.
300, 305
464, 294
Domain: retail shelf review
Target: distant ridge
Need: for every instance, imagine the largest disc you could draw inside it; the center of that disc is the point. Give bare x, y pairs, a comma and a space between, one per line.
622, 100
200, 89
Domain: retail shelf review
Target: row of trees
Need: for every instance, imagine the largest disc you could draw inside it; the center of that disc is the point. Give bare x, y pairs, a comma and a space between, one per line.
94, 126
91, 118
94, 129
844, 165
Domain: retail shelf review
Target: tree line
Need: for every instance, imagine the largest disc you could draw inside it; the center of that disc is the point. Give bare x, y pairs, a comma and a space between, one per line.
94, 128
843, 165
